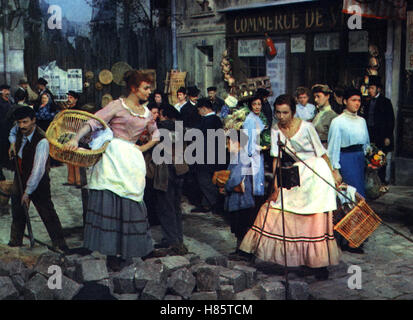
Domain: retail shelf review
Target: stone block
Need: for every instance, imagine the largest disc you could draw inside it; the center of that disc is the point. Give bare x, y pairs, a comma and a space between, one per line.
37, 289
91, 270
207, 278
217, 261
154, 290
298, 290
272, 291
7, 289
236, 278
193, 258
172, 298
68, 291
71, 273
173, 263
250, 274
124, 281
18, 282
49, 259
107, 283
9, 268
134, 261
182, 283
152, 270
127, 296
72, 259
224, 281
205, 295
248, 294
226, 292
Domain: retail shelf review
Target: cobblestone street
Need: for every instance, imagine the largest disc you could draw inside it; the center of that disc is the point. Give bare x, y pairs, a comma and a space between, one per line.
387, 265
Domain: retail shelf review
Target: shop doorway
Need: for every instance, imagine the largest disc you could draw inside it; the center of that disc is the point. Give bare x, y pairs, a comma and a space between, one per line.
203, 67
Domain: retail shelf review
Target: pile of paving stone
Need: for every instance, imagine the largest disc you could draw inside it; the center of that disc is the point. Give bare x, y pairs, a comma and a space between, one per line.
168, 278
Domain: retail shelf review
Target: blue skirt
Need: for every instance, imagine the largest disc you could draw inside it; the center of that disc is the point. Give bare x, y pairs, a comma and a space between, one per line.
352, 170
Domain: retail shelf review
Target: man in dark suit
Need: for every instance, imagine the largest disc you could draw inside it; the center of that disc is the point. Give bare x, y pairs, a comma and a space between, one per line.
5, 107
189, 113
42, 88
217, 103
266, 107
379, 116
210, 123
22, 90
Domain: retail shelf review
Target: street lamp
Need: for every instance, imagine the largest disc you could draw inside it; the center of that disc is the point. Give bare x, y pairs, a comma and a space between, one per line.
12, 11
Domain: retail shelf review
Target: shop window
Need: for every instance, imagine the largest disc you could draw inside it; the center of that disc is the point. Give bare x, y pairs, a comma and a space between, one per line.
255, 66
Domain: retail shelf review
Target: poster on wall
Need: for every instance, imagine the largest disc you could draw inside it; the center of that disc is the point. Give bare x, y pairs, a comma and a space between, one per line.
298, 44
61, 81
250, 48
327, 41
409, 41
276, 71
358, 41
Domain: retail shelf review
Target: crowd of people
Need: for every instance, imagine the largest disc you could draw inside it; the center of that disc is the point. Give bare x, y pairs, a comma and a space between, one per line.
129, 192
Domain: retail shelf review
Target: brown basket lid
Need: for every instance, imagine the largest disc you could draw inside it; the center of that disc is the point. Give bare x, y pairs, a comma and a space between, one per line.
105, 77
118, 71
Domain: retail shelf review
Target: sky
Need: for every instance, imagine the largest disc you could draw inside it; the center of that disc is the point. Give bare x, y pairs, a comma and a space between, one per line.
74, 10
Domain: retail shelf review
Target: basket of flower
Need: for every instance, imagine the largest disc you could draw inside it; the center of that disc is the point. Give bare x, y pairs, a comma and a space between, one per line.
375, 159
63, 128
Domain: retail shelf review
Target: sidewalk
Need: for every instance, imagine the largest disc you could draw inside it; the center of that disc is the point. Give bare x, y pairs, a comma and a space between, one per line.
395, 205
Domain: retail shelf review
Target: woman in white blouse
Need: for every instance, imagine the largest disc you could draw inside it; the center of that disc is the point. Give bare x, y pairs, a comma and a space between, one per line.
308, 207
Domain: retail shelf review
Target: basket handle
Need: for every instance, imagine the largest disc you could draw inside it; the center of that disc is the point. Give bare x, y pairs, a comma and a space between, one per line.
85, 113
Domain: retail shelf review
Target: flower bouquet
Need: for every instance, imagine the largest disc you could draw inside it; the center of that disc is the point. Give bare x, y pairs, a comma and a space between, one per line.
375, 159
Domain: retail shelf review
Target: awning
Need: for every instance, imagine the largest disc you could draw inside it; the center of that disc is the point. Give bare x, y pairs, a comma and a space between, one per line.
378, 9
261, 5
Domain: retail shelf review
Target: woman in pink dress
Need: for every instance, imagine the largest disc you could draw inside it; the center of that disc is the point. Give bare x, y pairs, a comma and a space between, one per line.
307, 208
116, 221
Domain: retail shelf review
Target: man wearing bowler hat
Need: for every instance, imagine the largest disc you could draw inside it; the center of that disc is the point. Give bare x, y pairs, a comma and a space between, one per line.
32, 150
379, 116
217, 103
189, 112
42, 88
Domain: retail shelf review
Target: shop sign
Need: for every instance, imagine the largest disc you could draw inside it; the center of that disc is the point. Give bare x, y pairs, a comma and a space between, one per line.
250, 48
327, 41
291, 20
298, 44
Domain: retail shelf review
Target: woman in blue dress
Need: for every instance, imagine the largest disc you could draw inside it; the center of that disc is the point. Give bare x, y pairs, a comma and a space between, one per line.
253, 126
348, 140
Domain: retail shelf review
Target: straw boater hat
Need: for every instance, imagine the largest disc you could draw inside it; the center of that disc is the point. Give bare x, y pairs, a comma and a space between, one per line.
105, 77
324, 88
106, 99
118, 71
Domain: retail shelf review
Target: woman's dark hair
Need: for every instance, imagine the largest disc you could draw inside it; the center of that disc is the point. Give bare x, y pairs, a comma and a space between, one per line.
182, 90
255, 97
286, 99
302, 90
135, 78
152, 105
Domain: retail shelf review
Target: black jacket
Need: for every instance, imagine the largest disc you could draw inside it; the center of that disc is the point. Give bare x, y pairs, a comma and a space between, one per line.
190, 116
383, 123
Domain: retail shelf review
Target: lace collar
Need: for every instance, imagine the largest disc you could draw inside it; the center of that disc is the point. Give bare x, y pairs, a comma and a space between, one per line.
144, 116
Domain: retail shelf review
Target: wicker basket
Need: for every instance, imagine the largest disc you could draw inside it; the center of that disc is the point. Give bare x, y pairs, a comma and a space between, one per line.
5, 192
67, 123
359, 223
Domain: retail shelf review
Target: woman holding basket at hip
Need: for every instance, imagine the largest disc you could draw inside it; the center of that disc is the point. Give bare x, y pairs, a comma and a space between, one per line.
116, 221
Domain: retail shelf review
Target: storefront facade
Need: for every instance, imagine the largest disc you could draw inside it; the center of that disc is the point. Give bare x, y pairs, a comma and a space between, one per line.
313, 41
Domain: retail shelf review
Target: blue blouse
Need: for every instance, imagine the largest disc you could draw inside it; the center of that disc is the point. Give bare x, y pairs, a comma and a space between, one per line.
346, 130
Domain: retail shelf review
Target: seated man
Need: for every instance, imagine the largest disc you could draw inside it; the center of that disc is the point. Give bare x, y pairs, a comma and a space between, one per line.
32, 149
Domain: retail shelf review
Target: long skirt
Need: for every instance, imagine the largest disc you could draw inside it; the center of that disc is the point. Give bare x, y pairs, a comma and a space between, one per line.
309, 239
117, 226
352, 170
